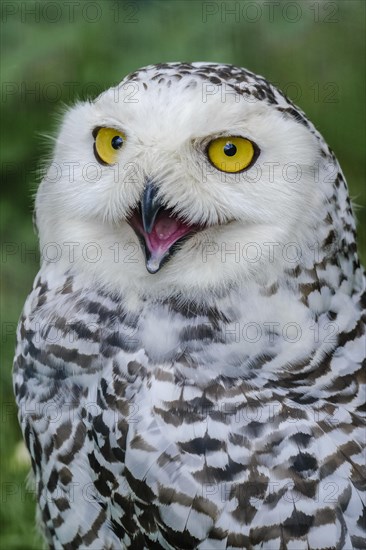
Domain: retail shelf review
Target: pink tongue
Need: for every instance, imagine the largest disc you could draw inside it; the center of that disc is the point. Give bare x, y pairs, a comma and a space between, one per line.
165, 227
166, 231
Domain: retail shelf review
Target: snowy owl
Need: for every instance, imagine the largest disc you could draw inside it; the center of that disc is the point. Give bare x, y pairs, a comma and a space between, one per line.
188, 368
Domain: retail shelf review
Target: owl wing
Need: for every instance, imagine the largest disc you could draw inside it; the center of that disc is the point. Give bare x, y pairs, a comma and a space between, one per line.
56, 378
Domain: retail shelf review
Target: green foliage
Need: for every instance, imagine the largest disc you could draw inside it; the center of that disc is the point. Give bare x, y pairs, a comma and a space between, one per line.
314, 51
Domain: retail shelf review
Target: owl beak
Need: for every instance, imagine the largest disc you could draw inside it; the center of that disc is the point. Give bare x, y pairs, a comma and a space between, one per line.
150, 206
158, 229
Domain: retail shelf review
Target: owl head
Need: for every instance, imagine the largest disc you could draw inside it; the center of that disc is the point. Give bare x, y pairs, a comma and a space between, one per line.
187, 178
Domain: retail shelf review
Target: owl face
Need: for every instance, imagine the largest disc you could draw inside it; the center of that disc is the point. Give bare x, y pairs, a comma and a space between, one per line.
174, 181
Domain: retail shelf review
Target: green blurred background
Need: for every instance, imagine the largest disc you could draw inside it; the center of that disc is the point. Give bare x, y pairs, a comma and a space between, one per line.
54, 53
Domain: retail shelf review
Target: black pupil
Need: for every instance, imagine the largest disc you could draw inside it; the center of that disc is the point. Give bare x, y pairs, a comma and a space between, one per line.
230, 149
117, 142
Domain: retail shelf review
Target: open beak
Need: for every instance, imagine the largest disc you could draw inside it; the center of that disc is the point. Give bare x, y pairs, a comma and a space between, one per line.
160, 232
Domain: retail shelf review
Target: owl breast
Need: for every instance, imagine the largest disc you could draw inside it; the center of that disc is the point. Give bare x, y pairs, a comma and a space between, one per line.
174, 419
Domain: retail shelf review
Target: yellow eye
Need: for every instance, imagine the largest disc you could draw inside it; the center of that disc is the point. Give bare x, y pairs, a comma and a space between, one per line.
108, 141
231, 154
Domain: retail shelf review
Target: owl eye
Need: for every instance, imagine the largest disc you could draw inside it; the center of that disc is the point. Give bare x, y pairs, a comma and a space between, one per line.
231, 154
107, 143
